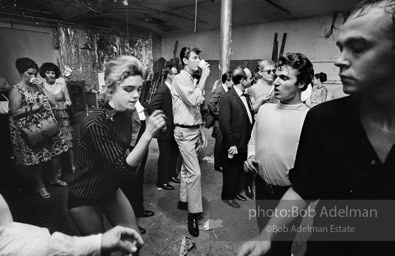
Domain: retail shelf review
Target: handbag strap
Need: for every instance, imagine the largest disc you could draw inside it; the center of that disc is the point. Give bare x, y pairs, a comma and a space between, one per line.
5, 97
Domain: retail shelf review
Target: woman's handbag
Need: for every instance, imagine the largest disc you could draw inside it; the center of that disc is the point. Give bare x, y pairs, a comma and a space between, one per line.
4, 104
37, 131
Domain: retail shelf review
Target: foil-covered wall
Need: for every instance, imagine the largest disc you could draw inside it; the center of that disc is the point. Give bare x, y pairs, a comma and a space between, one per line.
141, 48
90, 58
81, 59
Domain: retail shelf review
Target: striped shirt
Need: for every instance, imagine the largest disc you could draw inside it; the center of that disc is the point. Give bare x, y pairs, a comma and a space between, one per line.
101, 163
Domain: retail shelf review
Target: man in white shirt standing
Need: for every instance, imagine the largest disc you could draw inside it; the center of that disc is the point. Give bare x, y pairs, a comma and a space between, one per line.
275, 137
188, 132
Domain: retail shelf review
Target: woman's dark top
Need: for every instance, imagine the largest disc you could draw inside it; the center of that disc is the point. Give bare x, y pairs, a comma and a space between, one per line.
105, 136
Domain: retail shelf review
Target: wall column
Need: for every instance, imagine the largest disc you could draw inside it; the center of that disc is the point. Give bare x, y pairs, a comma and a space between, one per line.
225, 34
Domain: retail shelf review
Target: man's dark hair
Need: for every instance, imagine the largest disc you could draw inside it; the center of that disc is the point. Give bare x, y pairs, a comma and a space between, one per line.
186, 51
321, 76
301, 63
238, 74
226, 76
363, 6
48, 66
166, 70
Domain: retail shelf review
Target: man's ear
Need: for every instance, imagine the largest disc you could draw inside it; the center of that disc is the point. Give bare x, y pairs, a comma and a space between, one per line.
301, 85
185, 60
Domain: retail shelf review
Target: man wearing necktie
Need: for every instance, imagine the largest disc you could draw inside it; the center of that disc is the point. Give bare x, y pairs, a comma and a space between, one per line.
235, 121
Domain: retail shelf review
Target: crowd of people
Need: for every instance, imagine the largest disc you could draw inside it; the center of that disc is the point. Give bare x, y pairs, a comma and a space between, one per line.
272, 143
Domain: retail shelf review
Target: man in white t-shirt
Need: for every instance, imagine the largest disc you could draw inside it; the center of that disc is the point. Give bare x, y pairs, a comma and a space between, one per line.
275, 137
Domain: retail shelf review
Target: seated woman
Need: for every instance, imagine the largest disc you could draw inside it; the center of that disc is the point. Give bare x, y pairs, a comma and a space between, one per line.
58, 89
25, 95
104, 160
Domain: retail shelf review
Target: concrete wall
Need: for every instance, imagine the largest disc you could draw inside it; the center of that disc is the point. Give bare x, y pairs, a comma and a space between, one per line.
256, 42
24, 41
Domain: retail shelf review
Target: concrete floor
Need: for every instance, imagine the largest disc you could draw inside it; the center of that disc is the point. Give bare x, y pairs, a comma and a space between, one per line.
167, 227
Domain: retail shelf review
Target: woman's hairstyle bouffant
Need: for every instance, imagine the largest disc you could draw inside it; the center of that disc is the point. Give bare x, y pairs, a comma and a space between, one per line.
48, 66
23, 64
321, 76
119, 69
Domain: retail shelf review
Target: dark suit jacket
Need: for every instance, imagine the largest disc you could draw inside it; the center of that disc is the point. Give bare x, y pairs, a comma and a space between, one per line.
162, 100
213, 108
213, 102
234, 122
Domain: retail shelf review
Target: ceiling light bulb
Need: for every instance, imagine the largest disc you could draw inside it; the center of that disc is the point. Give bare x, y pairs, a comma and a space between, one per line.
125, 2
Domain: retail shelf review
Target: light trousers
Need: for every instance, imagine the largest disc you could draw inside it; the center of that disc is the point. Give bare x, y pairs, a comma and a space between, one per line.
190, 188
